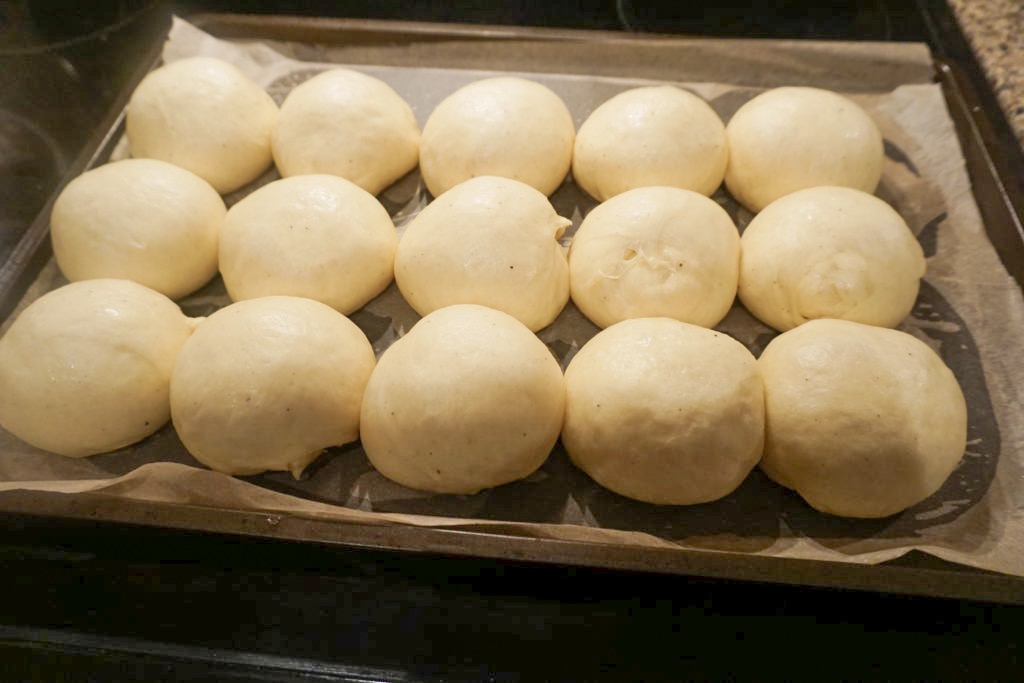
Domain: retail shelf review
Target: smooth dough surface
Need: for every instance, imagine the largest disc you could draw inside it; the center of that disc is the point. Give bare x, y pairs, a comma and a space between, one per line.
862, 421
664, 412
652, 252
489, 241
656, 135
468, 399
509, 127
829, 252
85, 369
206, 116
267, 384
791, 138
317, 236
139, 219
345, 123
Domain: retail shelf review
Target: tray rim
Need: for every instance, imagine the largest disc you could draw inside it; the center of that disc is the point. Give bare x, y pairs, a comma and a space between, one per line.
32, 251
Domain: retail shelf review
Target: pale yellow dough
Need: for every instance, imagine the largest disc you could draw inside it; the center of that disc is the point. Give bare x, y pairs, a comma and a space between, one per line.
489, 241
267, 384
862, 421
664, 412
506, 126
829, 252
206, 116
345, 123
791, 138
316, 236
656, 135
85, 369
655, 251
139, 219
468, 399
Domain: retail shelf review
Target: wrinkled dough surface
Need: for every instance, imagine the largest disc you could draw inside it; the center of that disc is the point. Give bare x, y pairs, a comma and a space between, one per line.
655, 252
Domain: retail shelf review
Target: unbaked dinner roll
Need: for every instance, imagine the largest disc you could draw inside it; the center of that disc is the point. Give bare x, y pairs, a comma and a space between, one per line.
267, 384
86, 368
316, 236
345, 123
506, 126
656, 135
655, 251
206, 116
791, 138
862, 421
829, 252
139, 219
468, 399
489, 241
664, 412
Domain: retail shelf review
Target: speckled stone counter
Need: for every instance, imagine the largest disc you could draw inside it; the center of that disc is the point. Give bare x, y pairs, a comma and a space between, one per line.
995, 30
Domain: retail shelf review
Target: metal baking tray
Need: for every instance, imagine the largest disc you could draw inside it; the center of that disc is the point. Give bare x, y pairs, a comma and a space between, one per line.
503, 49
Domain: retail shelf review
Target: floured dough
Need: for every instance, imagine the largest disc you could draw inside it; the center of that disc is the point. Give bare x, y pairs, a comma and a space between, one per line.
316, 236
267, 384
139, 219
468, 399
206, 116
345, 123
506, 126
862, 421
829, 252
655, 251
489, 241
791, 138
85, 368
664, 412
656, 135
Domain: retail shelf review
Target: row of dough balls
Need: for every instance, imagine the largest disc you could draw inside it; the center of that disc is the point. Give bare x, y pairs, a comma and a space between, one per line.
206, 116
862, 421
654, 251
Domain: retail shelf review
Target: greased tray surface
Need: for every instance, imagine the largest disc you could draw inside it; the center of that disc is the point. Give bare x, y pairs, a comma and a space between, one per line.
749, 521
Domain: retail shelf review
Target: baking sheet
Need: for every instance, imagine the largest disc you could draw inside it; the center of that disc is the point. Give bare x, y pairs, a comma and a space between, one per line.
969, 310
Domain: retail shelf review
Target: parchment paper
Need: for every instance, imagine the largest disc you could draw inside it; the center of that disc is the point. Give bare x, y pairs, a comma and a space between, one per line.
969, 310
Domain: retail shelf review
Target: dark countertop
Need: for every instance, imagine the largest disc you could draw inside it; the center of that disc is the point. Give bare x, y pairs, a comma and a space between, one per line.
110, 602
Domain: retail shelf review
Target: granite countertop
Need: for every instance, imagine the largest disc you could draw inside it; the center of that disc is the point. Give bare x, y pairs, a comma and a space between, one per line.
995, 30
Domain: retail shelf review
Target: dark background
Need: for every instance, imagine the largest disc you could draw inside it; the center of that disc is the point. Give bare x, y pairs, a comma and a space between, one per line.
108, 602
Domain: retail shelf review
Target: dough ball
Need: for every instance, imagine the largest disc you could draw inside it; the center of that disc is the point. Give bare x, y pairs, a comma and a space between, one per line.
316, 236
829, 252
206, 116
489, 241
267, 384
348, 124
664, 412
468, 399
139, 219
862, 421
85, 368
655, 252
508, 127
657, 135
791, 138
